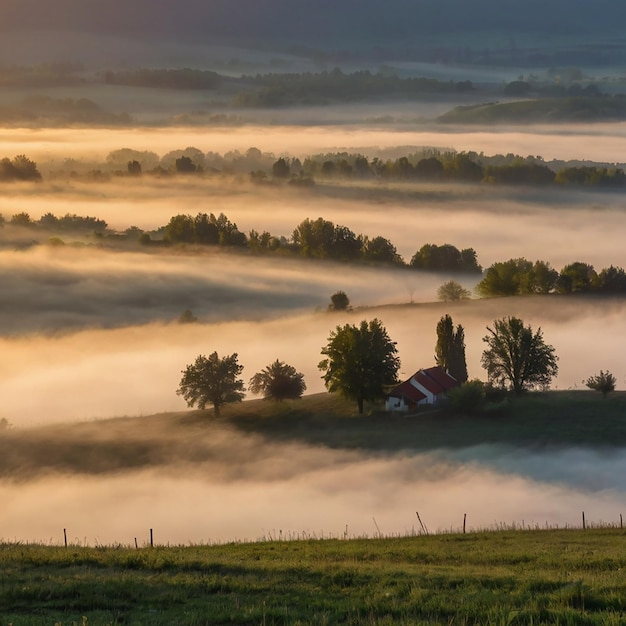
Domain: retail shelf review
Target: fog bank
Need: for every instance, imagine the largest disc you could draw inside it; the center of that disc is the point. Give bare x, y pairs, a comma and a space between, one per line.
602, 142
137, 369
344, 495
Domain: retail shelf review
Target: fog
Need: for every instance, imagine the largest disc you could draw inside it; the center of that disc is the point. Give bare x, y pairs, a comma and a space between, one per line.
558, 226
602, 142
294, 492
89, 330
136, 370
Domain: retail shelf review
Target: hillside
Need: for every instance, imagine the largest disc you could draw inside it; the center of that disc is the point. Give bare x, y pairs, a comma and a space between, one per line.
195, 438
559, 110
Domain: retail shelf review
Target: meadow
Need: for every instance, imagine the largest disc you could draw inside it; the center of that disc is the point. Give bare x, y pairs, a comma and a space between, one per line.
510, 577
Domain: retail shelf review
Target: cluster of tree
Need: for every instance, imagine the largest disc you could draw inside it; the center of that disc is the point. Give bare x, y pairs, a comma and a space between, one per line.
204, 229
322, 239
361, 363
446, 258
590, 176
216, 381
323, 87
19, 168
316, 239
427, 164
185, 78
522, 277
453, 166
48, 221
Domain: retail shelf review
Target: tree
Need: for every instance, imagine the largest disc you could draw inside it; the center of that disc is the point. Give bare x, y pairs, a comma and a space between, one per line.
517, 357
212, 381
278, 381
575, 277
380, 250
445, 258
339, 301
184, 165
360, 362
180, 228
19, 168
505, 278
134, 168
187, 317
452, 291
540, 279
450, 349
612, 280
281, 169
22, 219
604, 382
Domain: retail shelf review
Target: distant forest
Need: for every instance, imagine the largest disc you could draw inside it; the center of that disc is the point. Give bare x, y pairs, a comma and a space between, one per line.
426, 165
558, 95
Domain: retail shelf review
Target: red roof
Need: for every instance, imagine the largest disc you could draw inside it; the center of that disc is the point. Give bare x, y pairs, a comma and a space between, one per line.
435, 380
407, 390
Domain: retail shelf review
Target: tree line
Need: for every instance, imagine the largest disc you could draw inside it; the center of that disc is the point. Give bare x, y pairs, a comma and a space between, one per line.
316, 88
426, 165
318, 239
69, 222
522, 277
324, 240
360, 362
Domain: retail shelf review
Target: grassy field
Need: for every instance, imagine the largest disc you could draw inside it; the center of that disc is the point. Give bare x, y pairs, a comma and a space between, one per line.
553, 418
512, 577
497, 578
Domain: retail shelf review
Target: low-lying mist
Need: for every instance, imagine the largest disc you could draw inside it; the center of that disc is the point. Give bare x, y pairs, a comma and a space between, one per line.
254, 490
602, 142
136, 370
90, 331
558, 226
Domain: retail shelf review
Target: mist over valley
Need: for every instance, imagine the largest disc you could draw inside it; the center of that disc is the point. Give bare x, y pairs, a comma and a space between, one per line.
94, 437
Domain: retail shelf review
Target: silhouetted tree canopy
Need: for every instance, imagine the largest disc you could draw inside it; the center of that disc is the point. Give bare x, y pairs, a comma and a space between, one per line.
517, 357
212, 380
450, 349
604, 382
339, 301
278, 381
452, 291
445, 258
361, 361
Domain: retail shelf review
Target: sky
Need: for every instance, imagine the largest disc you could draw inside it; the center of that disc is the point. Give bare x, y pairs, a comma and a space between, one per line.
319, 19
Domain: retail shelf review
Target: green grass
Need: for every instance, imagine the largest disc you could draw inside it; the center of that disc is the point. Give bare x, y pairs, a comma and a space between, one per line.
551, 419
524, 577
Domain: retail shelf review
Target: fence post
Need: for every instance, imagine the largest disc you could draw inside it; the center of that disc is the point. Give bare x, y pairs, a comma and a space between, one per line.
151, 539
65, 536
464, 520
584, 527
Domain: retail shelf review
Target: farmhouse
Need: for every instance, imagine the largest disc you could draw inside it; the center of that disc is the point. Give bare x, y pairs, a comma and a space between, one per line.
427, 386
